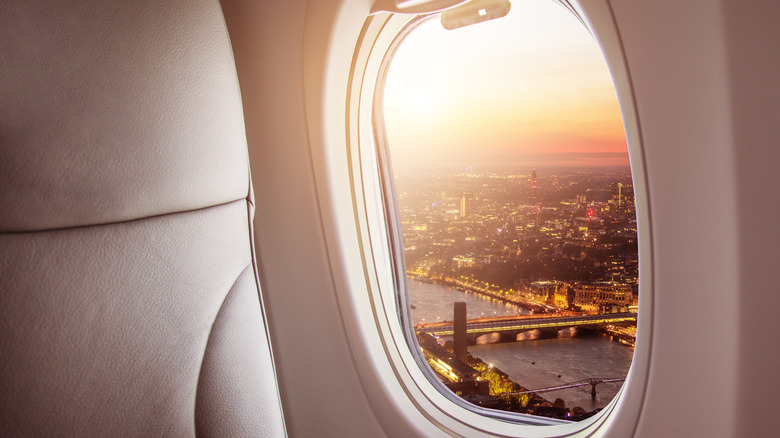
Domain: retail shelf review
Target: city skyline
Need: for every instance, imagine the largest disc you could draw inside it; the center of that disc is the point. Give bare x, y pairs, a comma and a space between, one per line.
561, 246
513, 182
529, 89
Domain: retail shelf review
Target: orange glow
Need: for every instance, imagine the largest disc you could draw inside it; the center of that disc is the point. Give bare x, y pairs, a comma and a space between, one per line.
530, 89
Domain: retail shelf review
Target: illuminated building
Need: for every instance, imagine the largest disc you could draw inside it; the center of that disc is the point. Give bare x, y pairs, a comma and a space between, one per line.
467, 261
603, 295
561, 297
467, 201
544, 291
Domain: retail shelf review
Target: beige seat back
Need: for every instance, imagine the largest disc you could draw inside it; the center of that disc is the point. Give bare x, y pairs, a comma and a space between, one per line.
129, 303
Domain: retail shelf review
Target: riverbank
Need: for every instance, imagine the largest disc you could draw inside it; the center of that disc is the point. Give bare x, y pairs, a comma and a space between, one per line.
532, 364
624, 335
505, 390
554, 362
470, 285
484, 384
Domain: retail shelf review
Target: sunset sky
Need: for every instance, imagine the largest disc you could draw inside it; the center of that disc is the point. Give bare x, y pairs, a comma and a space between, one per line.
528, 90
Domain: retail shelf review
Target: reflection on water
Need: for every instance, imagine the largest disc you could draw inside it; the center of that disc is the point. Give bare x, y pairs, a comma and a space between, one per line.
434, 302
533, 363
545, 363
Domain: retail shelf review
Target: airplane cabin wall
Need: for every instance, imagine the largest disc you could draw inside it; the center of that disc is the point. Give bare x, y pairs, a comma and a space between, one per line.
321, 392
702, 75
704, 78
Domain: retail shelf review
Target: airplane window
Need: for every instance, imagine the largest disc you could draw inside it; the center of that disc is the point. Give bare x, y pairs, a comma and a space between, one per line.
514, 196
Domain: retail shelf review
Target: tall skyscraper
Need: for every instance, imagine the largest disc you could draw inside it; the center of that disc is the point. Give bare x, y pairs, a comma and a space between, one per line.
467, 201
459, 330
533, 185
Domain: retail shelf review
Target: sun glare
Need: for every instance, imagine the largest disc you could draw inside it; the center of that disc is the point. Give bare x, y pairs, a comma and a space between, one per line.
418, 101
511, 89
513, 184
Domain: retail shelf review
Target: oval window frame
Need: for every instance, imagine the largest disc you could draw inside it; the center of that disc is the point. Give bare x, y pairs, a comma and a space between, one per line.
377, 217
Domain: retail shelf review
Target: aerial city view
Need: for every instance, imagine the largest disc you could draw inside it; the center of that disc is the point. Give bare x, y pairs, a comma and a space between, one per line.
558, 248
517, 209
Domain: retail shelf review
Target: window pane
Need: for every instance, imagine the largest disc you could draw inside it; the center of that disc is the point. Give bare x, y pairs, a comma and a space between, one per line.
515, 197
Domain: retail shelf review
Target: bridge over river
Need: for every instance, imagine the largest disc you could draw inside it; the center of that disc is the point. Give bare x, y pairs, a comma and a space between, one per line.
513, 325
592, 382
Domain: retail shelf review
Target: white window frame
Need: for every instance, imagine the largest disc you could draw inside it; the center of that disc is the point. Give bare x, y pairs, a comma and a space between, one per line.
409, 378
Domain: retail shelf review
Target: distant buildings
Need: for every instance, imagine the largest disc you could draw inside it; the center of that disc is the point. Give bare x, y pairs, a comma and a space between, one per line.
580, 229
595, 297
603, 296
562, 297
543, 291
467, 202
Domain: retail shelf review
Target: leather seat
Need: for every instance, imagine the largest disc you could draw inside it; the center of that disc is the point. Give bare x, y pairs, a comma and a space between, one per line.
129, 301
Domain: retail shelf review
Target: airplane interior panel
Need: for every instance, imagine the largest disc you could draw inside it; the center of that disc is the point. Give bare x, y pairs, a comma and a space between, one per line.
200, 235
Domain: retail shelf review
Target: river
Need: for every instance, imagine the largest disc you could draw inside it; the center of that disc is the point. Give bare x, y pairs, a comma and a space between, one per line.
434, 302
532, 364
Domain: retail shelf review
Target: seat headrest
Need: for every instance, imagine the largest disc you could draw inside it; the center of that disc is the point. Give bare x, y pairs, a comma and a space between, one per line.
113, 111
